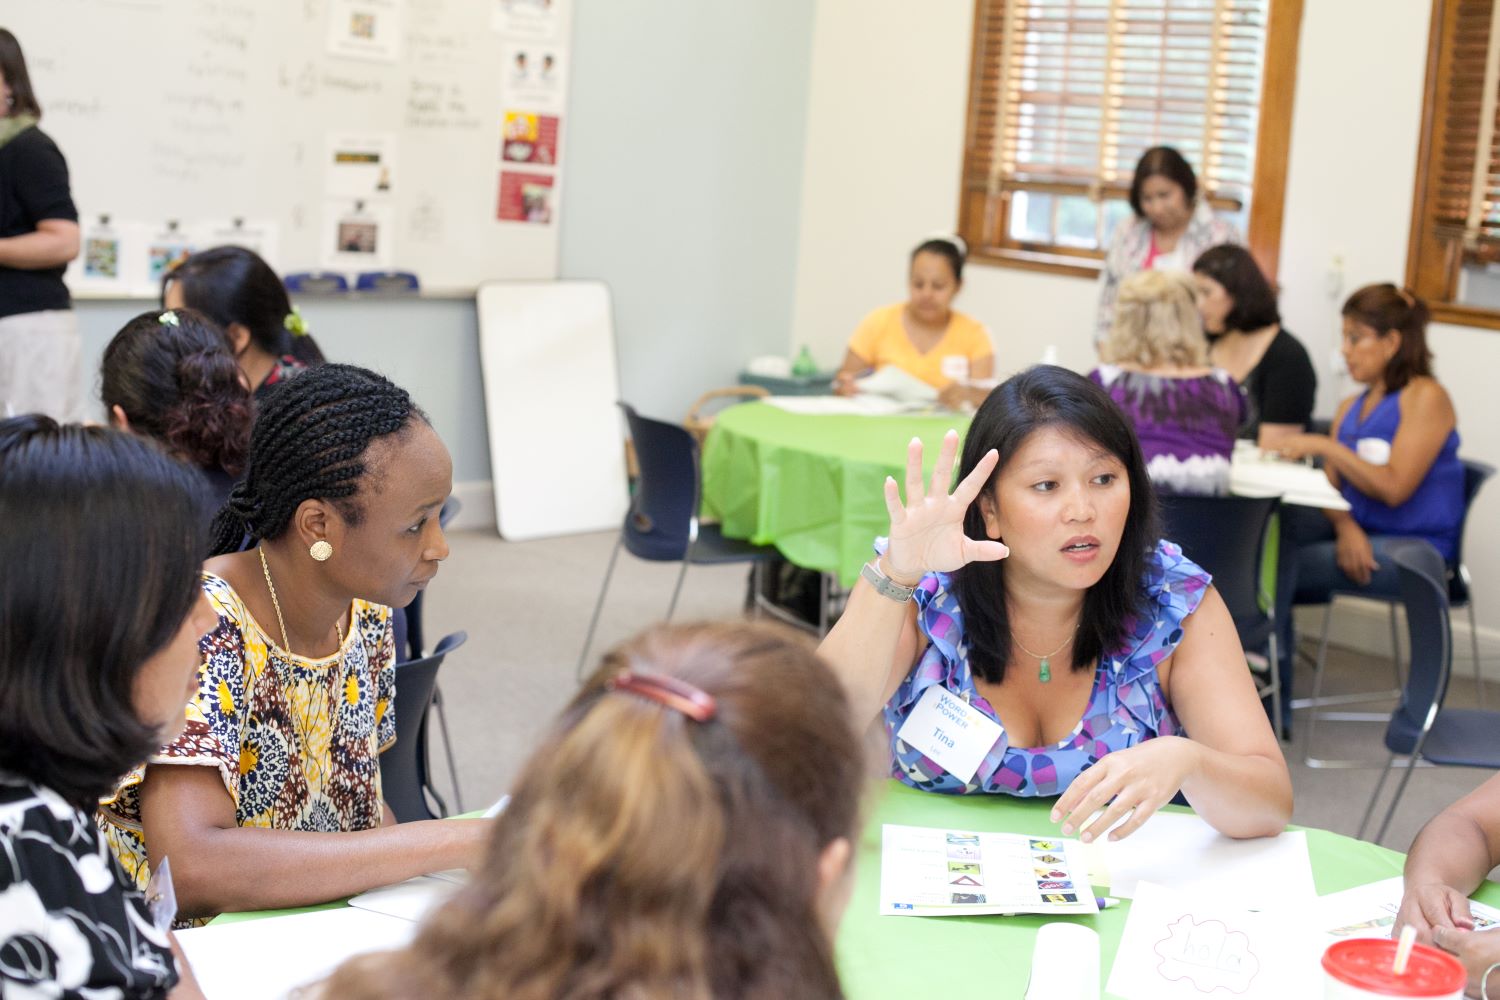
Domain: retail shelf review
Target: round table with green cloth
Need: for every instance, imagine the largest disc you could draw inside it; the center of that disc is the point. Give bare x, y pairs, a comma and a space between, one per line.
881, 957
812, 485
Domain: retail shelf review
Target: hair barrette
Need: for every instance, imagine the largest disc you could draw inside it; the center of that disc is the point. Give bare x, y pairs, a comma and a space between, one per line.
295, 323
691, 701
168, 318
954, 239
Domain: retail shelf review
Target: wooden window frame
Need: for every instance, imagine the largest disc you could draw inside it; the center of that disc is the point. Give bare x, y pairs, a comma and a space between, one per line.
1268, 188
1431, 262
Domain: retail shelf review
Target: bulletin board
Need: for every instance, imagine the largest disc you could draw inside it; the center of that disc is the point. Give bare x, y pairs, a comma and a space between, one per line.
347, 135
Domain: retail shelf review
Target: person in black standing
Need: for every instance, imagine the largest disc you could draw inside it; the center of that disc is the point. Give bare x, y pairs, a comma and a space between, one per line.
39, 345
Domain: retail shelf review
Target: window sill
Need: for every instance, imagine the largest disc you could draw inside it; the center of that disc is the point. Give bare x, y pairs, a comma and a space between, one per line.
1036, 260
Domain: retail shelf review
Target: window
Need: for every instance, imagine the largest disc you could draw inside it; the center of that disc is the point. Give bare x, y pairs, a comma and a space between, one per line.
1065, 95
1453, 259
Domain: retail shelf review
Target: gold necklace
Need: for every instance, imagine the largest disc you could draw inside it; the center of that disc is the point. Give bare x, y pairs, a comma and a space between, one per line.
1044, 670
285, 643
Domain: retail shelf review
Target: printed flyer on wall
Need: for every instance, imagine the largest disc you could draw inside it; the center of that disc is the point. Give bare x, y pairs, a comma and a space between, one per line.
927, 872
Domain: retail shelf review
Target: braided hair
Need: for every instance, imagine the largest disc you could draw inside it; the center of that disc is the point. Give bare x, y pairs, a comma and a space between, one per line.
309, 442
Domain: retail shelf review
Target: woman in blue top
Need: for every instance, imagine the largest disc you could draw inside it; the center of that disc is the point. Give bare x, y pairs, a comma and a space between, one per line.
1053, 483
1392, 452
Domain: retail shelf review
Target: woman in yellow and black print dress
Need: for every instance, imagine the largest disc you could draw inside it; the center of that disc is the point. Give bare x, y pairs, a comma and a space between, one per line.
271, 797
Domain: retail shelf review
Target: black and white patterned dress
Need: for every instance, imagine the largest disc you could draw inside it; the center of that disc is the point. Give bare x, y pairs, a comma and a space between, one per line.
71, 923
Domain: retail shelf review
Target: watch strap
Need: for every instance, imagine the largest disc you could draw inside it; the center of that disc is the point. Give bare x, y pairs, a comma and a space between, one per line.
884, 585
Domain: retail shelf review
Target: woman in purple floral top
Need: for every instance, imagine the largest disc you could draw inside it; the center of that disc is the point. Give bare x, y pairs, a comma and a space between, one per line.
1095, 662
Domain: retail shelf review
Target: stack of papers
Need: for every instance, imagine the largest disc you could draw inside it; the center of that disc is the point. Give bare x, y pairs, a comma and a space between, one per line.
1251, 474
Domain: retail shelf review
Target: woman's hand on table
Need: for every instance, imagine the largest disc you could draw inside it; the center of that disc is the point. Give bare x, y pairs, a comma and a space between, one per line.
927, 532
1431, 906
1136, 782
1477, 950
1296, 447
1354, 553
843, 384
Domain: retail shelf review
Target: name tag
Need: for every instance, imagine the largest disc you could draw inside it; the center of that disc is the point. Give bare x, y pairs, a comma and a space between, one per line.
1376, 451
956, 367
949, 731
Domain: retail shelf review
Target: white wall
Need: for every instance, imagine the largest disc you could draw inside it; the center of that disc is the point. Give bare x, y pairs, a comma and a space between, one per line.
683, 175
885, 151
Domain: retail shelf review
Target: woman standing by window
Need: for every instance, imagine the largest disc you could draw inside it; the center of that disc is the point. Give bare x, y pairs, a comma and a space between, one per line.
39, 347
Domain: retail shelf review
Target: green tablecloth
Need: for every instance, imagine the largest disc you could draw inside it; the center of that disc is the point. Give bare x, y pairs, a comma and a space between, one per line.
959, 957
811, 485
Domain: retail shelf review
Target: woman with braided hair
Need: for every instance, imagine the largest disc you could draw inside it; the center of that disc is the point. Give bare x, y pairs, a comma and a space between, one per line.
293, 706
170, 376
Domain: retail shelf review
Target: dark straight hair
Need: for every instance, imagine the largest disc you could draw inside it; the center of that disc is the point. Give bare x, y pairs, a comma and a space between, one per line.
1162, 161
948, 249
102, 548
17, 78
1236, 270
235, 285
1049, 396
1384, 308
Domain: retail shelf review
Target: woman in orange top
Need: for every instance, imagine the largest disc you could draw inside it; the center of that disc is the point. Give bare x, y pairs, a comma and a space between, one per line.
924, 335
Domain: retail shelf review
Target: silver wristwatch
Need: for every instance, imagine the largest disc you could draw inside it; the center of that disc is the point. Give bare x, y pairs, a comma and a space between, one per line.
884, 585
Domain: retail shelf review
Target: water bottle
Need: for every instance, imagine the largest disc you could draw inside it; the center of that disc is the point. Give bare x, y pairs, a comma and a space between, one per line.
804, 366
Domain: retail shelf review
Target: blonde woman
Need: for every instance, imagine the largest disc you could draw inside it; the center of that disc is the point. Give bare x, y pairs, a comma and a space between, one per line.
1185, 411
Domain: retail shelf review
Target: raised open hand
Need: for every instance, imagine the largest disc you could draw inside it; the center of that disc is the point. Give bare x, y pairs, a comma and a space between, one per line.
927, 532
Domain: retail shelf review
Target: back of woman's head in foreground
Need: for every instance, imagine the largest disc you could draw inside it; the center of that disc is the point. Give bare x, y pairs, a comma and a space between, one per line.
648, 854
102, 547
172, 376
310, 442
1047, 396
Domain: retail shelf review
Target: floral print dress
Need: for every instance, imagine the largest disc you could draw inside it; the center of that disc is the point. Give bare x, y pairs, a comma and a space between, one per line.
1125, 707
296, 741
71, 923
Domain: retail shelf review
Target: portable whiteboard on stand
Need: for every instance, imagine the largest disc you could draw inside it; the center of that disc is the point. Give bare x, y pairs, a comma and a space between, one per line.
557, 451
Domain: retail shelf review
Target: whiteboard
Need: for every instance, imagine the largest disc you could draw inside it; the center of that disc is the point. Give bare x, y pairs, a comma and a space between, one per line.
557, 449
208, 111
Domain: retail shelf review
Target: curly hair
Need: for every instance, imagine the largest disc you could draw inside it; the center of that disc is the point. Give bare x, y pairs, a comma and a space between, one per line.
645, 854
1156, 323
309, 443
172, 376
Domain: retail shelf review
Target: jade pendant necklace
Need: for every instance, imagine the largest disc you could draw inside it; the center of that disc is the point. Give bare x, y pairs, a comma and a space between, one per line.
1044, 668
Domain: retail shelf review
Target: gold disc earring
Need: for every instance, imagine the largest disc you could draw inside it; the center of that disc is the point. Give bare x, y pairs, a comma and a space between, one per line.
320, 550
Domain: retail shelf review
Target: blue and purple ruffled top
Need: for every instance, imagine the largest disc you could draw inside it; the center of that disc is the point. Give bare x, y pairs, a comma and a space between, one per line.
1126, 706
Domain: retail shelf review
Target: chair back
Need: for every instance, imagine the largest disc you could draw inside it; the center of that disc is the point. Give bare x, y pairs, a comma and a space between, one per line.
1475, 476
316, 283
663, 517
1424, 593
387, 281
403, 768
1226, 536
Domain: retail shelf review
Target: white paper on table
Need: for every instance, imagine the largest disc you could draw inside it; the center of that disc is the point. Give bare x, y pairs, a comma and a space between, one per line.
1369, 911
1180, 945
410, 900
294, 951
857, 406
1253, 474
897, 383
930, 872
1182, 852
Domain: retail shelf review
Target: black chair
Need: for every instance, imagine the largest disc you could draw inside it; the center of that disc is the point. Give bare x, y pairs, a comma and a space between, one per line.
407, 624
662, 522
404, 774
1227, 537
1459, 586
1421, 729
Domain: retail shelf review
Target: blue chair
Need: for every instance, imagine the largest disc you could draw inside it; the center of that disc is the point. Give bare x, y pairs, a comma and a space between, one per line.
1227, 537
386, 282
1421, 729
404, 774
662, 522
1459, 587
316, 283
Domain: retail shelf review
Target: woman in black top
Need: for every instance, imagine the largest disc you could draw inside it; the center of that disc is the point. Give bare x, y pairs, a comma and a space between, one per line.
39, 345
1241, 319
98, 656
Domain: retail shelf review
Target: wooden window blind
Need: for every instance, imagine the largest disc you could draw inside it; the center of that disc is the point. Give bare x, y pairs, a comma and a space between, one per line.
1456, 210
1065, 96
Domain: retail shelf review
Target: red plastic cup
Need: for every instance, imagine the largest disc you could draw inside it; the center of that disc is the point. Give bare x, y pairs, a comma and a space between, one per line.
1361, 969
